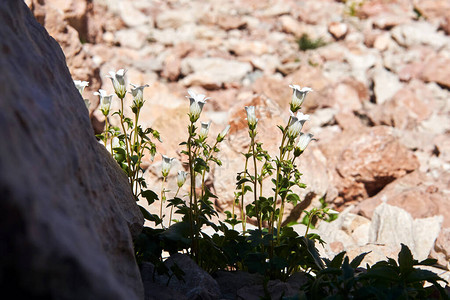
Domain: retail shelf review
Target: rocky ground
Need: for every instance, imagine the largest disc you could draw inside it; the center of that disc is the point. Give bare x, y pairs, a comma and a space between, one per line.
379, 111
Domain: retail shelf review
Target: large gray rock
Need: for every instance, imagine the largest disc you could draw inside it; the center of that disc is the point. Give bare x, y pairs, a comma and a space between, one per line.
67, 213
392, 225
196, 283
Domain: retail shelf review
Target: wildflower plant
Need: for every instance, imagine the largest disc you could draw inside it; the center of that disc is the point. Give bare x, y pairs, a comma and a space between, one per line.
128, 142
273, 249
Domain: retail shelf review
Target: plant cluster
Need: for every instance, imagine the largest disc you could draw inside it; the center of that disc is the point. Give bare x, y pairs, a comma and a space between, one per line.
273, 249
307, 43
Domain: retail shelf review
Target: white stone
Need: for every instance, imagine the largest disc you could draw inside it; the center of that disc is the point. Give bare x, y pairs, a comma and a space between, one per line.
426, 232
212, 70
174, 19
419, 33
391, 226
386, 84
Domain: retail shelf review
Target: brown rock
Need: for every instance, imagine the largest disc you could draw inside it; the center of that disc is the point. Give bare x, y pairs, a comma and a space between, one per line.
406, 109
436, 69
347, 96
291, 25
338, 30
441, 249
416, 193
363, 162
229, 22
68, 215
172, 63
379, 7
435, 11
274, 88
50, 15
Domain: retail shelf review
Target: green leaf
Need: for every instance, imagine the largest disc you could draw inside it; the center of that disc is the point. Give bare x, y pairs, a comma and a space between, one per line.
293, 198
428, 262
200, 165
149, 216
242, 180
357, 260
150, 196
405, 260
337, 260
419, 275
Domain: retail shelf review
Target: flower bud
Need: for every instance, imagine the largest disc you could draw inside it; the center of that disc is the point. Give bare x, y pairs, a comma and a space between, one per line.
222, 135
196, 105
296, 124
166, 165
138, 94
303, 141
204, 130
119, 82
181, 178
298, 96
105, 101
251, 117
80, 85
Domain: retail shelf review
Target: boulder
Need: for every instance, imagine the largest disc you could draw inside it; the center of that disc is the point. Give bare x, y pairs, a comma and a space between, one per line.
392, 226
441, 250
417, 193
196, 282
407, 108
66, 22
361, 162
68, 215
231, 282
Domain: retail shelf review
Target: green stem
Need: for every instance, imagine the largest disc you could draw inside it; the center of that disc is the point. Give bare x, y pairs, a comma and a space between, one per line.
171, 208
163, 197
105, 139
243, 217
126, 144
309, 224
272, 221
255, 181
192, 188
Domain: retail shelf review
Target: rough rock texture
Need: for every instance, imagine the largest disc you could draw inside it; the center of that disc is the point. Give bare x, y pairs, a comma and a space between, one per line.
67, 23
366, 161
196, 283
390, 226
68, 215
416, 193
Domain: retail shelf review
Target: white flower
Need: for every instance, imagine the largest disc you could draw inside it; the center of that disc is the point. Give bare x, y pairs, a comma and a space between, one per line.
251, 117
138, 94
332, 211
303, 141
204, 130
181, 178
115, 142
196, 104
105, 101
166, 165
222, 135
298, 96
296, 124
80, 85
119, 82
